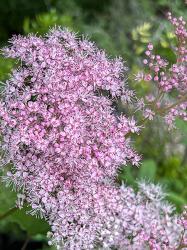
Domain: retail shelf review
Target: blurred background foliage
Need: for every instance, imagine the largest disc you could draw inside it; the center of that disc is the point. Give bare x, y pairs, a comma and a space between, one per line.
121, 27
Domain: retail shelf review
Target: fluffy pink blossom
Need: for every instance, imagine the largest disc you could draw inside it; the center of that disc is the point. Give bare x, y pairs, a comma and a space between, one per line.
60, 130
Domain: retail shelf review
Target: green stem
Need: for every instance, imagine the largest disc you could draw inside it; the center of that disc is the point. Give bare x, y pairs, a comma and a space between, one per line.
25, 243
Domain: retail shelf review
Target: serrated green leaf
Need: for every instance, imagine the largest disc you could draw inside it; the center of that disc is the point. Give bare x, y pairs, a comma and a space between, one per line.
143, 29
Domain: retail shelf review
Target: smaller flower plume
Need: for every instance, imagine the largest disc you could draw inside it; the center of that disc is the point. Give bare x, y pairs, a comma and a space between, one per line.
167, 78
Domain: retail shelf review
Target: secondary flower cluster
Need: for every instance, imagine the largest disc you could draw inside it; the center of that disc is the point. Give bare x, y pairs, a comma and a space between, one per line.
167, 78
65, 143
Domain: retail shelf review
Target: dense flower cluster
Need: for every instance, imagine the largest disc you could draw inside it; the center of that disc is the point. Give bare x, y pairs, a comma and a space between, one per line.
59, 127
168, 78
65, 142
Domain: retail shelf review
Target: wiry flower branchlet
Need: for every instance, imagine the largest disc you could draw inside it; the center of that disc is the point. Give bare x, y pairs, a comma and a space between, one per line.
167, 78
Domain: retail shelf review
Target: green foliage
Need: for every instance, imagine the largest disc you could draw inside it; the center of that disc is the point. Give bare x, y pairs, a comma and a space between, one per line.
5, 68
176, 199
29, 223
161, 35
142, 35
182, 126
7, 199
45, 21
26, 222
12, 14
147, 170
